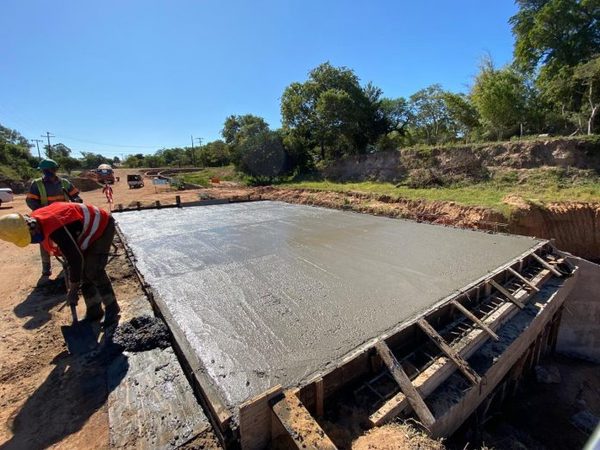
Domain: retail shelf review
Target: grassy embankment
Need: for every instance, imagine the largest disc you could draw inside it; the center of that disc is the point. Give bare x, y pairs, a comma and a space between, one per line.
535, 185
202, 177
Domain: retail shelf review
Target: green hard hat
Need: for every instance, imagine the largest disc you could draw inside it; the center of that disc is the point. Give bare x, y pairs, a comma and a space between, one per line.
48, 164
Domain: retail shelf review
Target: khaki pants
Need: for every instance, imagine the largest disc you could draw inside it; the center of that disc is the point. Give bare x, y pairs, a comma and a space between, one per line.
96, 286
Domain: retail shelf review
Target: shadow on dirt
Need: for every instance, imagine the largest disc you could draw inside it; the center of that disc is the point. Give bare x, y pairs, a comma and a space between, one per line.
45, 295
74, 390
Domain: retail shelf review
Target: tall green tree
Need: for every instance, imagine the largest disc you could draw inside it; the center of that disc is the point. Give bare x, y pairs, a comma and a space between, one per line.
428, 114
331, 114
551, 34
237, 128
500, 97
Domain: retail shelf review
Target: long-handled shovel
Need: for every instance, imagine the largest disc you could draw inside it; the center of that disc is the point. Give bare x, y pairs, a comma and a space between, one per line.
79, 336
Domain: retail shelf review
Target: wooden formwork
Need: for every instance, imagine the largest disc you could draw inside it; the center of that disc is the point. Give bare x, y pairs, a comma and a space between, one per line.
477, 311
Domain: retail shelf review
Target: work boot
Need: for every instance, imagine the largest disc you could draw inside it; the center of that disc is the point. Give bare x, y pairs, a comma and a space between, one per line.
111, 314
93, 313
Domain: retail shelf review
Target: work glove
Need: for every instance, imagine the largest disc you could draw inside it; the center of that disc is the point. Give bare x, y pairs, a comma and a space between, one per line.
73, 294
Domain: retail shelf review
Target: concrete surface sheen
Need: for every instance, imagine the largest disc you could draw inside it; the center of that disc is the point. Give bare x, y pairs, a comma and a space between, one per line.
269, 293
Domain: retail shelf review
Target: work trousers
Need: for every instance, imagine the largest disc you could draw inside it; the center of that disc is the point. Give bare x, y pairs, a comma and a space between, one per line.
96, 286
46, 265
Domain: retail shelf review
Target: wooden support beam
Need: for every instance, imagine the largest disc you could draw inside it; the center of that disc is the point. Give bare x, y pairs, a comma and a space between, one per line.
300, 428
507, 294
457, 413
427, 381
463, 365
414, 398
469, 315
523, 279
547, 265
319, 398
256, 420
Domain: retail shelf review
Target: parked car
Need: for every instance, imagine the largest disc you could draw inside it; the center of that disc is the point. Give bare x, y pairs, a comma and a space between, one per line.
6, 195
135, 181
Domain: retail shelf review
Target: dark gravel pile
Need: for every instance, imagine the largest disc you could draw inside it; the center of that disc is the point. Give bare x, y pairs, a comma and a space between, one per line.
142, 333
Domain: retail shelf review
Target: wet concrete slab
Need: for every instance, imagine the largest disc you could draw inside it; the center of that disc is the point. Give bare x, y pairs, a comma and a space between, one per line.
269, 293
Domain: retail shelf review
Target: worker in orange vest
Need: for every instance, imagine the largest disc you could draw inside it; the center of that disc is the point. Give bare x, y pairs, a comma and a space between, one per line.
83, 235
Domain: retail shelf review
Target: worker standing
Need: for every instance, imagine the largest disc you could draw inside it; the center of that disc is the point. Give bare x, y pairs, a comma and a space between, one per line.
83, 235
108, 192
47, 190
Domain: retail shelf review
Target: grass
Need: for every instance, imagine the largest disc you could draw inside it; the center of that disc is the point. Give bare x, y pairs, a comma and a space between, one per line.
202, 177
535, 185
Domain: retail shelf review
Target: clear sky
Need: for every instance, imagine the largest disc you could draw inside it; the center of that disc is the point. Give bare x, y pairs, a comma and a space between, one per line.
131, 76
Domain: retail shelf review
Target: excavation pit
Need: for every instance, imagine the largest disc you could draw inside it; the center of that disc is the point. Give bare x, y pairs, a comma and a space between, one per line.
268, 293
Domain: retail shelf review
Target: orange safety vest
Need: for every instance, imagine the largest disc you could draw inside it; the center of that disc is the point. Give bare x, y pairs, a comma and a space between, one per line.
52, 217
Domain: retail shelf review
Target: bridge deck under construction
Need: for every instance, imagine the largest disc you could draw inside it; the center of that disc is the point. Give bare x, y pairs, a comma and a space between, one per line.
264, 297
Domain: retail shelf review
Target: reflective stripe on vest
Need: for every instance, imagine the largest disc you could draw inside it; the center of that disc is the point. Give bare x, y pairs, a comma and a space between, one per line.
44, 194
91, 223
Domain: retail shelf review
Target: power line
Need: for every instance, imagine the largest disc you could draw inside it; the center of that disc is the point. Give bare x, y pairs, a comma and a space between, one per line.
49, 150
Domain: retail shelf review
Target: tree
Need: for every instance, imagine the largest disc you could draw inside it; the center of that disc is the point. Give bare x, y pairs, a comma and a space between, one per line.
555, 33
68, 163
331, 113
428, 113
237, 128
500, 97
462, 115
262, 156
91, 160
57, 151
214, 154
588, 76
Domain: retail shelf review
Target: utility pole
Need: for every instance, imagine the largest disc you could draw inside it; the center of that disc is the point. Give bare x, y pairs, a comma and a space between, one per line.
48, 136
37, 144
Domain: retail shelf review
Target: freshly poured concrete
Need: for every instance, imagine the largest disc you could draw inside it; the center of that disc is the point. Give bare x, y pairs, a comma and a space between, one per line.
268, 293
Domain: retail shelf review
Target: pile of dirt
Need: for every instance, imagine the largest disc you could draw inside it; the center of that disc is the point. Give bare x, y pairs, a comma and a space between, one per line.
85, 184
142, 333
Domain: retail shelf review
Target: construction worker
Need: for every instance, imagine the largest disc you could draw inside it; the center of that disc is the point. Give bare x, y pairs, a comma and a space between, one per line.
45, 191
83, 235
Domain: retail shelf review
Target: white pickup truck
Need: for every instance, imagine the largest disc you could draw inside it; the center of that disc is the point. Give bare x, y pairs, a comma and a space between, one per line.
6, 195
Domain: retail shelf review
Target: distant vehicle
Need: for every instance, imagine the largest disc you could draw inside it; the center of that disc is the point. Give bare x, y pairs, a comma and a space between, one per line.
135, 181
105, 174
6, 195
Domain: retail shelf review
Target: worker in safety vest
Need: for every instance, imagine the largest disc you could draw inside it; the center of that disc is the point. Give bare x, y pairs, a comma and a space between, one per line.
45, 191
83, 235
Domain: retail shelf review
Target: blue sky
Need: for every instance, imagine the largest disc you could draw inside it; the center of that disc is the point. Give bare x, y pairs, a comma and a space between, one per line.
119, 77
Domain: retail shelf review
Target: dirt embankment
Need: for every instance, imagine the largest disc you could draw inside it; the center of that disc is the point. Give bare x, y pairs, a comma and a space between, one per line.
574, 226
465, 162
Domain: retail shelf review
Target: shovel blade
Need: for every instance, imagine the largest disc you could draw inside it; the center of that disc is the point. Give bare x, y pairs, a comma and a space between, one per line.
80, 338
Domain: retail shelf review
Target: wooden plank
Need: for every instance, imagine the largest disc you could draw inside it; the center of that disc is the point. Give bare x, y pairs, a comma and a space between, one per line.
301, 429
455, 416
255, 420
547, 265
523, 279
469, 315
414, 398
319, 397
507, 294
443, 367
463, 365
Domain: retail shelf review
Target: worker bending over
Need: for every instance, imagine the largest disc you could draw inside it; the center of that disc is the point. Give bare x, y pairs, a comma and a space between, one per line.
45, 191
83, 235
